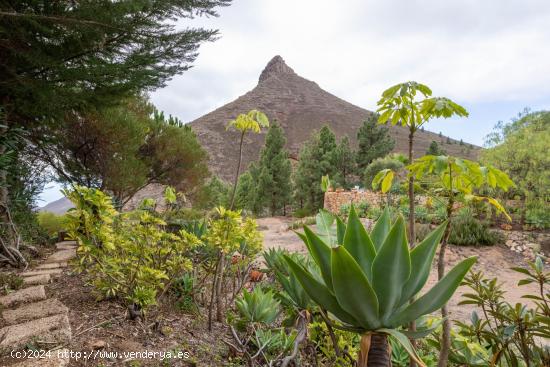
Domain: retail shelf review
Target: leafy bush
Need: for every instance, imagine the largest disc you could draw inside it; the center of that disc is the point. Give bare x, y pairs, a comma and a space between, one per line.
129, 256
379, 164
469, 231
52, 223
514, 334
10, 282
301, 213
538, 217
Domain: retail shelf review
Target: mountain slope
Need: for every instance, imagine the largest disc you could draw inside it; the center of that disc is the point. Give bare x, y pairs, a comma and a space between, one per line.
301, 107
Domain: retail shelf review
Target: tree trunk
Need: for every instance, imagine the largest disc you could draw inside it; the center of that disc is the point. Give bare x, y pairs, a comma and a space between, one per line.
412, 234
219, 290
446, 333
9, 243
375, 351
238, 171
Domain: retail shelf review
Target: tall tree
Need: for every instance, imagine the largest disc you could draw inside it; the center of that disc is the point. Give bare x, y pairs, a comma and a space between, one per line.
125, 148
400, 104
274, 187
374, 141
316, 159
60, 56
345, 162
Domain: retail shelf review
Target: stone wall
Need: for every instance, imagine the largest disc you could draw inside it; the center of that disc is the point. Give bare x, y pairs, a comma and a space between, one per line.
335, 199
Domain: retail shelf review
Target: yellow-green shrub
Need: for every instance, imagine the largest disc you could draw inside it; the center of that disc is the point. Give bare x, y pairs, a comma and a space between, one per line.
51, 222
129, 256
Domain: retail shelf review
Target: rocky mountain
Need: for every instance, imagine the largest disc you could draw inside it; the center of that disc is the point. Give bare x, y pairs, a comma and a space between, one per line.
301, 107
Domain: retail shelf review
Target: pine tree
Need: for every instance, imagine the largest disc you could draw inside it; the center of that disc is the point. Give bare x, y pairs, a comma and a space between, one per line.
61, 56
373, 141
317, 158
274, 170
345, 163
435, 149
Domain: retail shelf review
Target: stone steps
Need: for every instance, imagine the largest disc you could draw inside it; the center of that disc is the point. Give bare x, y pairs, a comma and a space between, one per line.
40, 279
29, 317
52, 330
33, 311
22, 296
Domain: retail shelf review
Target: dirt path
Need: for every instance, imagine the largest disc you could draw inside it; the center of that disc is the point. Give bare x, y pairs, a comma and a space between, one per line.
493, 261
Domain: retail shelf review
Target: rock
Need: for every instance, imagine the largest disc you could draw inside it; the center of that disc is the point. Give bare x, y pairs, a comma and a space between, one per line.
535, 247
56, 358
50, 272
51, 266
37, 279
510, 243
96, 344
61, 256
33, 311
30, 294
51, 330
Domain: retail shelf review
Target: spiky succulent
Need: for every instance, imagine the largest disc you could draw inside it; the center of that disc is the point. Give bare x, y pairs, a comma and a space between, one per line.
368, 281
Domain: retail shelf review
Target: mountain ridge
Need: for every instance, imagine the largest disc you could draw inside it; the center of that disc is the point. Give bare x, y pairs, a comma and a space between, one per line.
301, 107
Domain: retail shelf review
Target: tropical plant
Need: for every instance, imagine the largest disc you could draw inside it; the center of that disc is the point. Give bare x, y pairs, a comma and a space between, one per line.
367, 282
455, 179
252, 121
399, 105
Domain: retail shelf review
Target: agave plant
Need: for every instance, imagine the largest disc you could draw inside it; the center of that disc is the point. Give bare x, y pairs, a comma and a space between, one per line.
369, 281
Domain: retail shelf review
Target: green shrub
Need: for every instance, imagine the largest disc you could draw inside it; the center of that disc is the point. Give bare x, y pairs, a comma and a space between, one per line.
538, 217
377, 165
129, 256
513, 334
184, 289
469, 231
52, 223
10, 282
301, 213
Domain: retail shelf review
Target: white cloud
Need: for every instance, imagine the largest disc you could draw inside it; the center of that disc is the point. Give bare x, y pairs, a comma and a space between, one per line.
476, 52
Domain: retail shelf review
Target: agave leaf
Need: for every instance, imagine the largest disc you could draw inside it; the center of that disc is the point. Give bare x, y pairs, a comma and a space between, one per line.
319, 292
435, 297
404, 341
340, 230
353, 290
381, 229
358, 243
421, 263
391, 269
320, 252
325, 227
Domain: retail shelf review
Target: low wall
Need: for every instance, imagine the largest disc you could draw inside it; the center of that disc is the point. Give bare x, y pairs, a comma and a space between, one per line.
335, 199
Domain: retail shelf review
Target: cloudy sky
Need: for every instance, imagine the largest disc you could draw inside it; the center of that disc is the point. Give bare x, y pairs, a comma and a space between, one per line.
492, 56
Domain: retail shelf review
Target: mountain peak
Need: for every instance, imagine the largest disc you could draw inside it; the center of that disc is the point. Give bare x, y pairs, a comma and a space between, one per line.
276, 66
